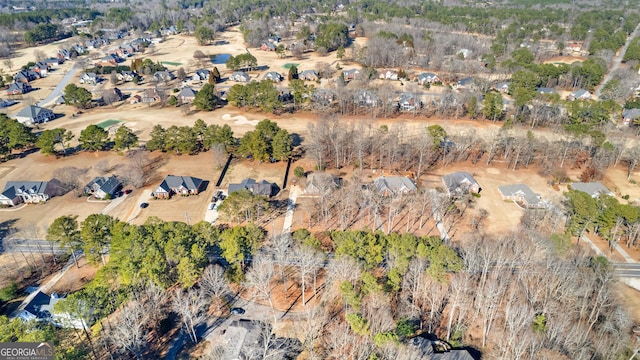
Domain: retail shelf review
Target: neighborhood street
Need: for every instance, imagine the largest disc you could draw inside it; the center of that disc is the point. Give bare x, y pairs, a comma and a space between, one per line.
59, 89
617, 60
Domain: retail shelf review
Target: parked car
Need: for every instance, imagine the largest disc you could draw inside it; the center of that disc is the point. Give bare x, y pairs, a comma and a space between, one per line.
237, 311
144, 205
128, 191
211, 205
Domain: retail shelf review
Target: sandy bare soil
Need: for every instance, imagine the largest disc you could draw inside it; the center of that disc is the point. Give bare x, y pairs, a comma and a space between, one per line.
565, 59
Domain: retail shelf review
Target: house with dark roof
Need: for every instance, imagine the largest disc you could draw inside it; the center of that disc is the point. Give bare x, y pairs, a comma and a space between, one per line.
502, 87
365, 98
273, 76
309, 75
394, 185
53, 62
40, 307
521, 194
182, 185
438, 350
103, 187
464, 84
18, 88
263, 188
595, 189
34, 114
427, 78
460, 183
5, 103
323, 96
186, 95
41, 68
16, 192
127, 76
240, 76
26, 76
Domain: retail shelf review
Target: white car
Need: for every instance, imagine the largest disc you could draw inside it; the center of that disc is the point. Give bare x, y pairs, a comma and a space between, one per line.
211, 206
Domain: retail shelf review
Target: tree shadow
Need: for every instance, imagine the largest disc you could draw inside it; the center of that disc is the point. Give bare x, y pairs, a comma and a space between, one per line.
6, 229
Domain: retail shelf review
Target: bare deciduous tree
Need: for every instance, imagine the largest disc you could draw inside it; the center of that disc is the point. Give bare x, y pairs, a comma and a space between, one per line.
191, 306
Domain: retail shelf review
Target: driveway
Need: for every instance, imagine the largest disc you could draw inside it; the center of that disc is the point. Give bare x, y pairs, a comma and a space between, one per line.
58, 90
618, 59
212, 214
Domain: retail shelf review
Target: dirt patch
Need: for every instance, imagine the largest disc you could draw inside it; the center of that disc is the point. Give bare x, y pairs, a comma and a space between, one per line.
75, 278
565, 60
631, 298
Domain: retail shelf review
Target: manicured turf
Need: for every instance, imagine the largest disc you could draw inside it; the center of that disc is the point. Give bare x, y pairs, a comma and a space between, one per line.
172, 63
289, 65
105, 124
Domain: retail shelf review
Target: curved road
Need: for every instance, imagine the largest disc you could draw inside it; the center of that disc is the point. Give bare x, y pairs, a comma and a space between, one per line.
57, 91
618, 59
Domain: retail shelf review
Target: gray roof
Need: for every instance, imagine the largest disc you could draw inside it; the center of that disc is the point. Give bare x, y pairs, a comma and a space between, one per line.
459, 180
263, 187
631, 113
579, 93
17, 86
545, 90
595, 189
33, 112
510, 190
239, 76
465, 81
427, 76
108, 185
273, 75
187, 92
34, 306
394, 184
176, 182
13, 188
306, 73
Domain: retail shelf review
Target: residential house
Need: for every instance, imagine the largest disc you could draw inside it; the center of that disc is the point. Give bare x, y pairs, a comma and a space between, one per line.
409, 102
182, 185
545, 91
89, 78
60, 100
240, 76
394, 185
574, 47
127, 76
18, 88
163, 76
263, 188
427, 78
6, 103
171, 30
16, 192
63, 54
580, 94
79, 49
41, 67
629, 116
26, 76
365, 98
521, 194
41, 308
53, 62
323, 96
273, 76
464, 84
438, 350
459, 183
389, 75
274, 39
321, 182
34, 114
186, 95
135, 99
309, 75
103, 187
268, 46
113, 95
201, 75
350, 74
595, 189
108, 60
151, 95
502, 87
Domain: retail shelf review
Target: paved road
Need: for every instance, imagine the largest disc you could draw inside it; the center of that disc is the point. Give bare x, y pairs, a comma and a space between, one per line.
618, 59
627, 270
291, 207
57, 91
30, 246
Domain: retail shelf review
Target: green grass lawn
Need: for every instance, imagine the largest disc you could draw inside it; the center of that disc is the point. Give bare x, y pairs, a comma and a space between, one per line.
289, 65
172, 63
107, 123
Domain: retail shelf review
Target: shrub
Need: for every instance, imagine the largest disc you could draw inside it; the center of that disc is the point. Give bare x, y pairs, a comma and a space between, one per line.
9, 292
298, 171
